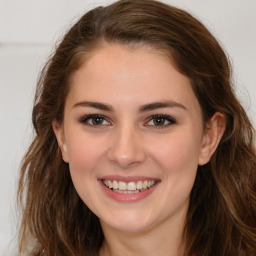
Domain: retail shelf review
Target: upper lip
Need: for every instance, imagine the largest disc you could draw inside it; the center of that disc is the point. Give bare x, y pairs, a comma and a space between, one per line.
128, 178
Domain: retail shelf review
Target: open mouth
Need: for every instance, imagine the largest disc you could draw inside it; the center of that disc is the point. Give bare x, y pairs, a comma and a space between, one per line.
131, 187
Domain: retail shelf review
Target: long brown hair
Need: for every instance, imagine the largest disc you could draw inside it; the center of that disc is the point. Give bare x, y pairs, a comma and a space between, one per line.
221, 219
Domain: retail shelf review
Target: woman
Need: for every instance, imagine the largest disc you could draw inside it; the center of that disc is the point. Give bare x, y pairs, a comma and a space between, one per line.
141, 146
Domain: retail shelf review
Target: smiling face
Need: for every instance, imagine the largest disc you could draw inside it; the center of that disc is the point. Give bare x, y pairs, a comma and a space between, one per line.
133, 137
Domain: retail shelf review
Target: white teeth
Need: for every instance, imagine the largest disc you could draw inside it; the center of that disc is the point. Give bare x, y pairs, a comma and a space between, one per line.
122, 185
115, 184
139, 185
130, 187
151, 183
109, 184
145, 184
126, 191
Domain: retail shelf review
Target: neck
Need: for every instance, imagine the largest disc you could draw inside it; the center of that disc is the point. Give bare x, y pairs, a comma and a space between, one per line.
165, 239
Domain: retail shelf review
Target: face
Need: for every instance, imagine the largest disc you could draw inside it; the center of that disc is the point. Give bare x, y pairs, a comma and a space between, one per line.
133, 137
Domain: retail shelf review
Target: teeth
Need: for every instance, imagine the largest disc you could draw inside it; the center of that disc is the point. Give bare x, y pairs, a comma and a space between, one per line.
130, 187
139, 185
115, 184
151, 183
109, 184
126, 191
122, 185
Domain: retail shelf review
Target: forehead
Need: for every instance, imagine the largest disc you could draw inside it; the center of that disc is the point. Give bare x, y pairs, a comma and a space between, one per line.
138, 74
105, 55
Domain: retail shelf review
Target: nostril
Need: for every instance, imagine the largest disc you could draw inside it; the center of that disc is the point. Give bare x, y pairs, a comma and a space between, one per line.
126, 158
126, 148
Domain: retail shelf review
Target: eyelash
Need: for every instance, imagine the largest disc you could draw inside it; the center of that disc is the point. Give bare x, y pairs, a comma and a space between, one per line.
163, 118
86, 119
170, 120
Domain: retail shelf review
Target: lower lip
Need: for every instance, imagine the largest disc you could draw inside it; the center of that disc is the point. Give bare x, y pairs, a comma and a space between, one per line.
127, 197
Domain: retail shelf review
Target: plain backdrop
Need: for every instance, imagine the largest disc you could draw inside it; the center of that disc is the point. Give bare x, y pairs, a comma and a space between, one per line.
28, 31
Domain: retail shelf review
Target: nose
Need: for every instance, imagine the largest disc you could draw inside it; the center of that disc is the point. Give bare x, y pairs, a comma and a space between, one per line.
126, 149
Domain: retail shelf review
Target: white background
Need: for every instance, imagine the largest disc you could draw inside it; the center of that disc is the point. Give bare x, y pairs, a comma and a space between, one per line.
28, 30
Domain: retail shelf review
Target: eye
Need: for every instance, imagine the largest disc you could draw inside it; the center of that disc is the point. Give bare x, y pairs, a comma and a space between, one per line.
95, 120
161, 121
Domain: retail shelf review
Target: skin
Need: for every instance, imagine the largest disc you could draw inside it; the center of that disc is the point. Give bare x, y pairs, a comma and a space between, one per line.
127, 142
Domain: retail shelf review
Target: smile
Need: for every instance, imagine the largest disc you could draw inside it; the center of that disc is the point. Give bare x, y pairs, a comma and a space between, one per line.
129, 187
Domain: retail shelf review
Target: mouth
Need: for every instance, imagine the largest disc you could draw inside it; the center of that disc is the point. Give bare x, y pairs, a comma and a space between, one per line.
131, 187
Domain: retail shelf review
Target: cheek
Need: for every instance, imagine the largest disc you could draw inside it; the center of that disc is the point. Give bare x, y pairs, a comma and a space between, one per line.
84, 153
178, 156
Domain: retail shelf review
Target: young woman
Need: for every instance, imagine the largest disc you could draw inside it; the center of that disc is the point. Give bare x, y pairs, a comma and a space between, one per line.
141, 146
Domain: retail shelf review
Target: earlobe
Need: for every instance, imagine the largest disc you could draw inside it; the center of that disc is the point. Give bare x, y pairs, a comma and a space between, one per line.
214, 131
60, 136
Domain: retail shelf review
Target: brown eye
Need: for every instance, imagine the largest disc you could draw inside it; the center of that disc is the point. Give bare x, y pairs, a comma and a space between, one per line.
161, 121
95, 120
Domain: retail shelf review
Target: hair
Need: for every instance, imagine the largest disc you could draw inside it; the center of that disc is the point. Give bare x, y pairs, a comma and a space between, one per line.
221, 218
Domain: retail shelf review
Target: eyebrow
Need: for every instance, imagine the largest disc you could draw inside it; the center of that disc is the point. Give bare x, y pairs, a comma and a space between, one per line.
143, 108
164, 104
97, 105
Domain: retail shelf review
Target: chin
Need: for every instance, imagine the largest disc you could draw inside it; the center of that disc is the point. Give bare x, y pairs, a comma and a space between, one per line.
129, 222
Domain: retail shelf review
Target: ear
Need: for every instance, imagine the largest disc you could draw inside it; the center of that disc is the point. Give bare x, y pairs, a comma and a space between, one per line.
60, 136
214, 131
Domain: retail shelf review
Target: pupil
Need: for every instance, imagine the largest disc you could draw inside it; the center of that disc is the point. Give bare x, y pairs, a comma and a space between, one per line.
159, 121
97, 120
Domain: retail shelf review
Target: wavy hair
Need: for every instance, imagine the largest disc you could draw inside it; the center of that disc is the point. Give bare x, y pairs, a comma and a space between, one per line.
221, 218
